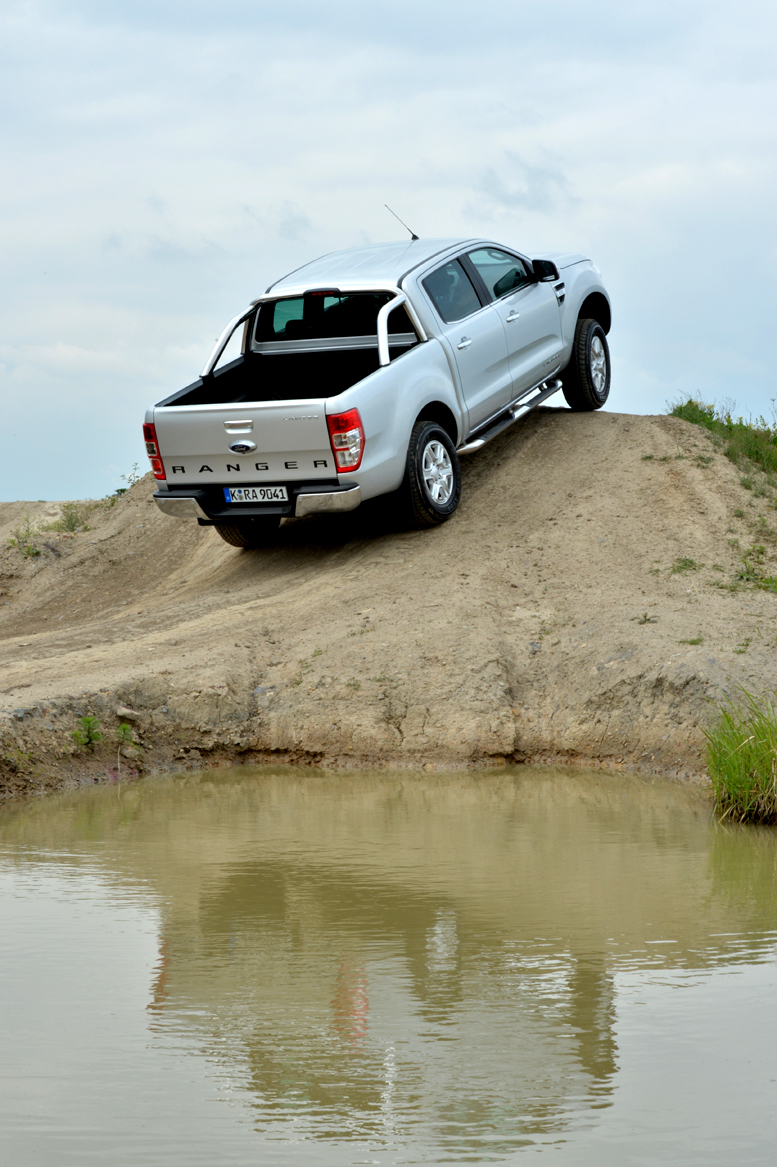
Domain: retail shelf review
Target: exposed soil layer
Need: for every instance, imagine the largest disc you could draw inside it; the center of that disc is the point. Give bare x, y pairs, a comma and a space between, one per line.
583, 604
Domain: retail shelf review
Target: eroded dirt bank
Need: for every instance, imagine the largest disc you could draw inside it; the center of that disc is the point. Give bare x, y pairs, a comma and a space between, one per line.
583, 604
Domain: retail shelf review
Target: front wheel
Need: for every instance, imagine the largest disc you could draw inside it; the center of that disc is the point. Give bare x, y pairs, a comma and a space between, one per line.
250, 533
587, 376
432, 483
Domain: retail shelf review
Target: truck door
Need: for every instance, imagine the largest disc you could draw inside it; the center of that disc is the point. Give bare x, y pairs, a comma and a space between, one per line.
529, 311
475, 338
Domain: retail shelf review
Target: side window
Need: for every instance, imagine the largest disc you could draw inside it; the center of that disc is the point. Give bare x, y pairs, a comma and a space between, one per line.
452, 292
500, 271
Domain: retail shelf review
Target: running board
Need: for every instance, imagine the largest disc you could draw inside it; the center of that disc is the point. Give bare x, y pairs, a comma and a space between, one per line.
513, 414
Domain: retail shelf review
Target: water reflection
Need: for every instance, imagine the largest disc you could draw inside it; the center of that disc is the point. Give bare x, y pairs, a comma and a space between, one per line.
424, 961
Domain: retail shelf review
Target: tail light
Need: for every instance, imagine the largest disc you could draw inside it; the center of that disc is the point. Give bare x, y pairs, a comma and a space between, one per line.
346, 434
152, 449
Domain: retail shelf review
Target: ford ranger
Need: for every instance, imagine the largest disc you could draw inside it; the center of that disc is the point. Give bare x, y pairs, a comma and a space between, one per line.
373, 371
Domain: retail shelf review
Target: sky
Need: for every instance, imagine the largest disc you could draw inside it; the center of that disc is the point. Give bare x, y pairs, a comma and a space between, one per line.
163, 161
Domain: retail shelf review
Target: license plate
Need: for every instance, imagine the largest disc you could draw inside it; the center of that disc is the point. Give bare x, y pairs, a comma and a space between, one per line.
255, 494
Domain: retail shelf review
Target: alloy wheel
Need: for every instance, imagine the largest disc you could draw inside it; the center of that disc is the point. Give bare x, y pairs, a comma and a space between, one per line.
437, 472
598, 364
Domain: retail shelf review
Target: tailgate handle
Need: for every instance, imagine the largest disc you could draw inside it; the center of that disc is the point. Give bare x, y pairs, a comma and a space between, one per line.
239, 427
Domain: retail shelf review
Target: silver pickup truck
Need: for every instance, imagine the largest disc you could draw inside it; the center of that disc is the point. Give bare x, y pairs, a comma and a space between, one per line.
372, 371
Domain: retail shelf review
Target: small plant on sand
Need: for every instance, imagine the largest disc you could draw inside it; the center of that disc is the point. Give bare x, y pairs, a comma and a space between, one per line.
683, 563
23, 536
693, 640
125, 738
131, 478
72, 518
742, 760
88, 732
124, 734
645, 619
752, 570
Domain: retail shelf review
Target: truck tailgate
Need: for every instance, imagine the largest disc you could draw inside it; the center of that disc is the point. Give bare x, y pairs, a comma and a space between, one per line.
268, 442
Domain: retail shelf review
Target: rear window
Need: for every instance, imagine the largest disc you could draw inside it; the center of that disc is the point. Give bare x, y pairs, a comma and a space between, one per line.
319, 317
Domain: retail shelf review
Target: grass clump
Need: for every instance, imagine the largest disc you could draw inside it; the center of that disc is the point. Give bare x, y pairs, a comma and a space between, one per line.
683, 563
753, 570
72, 518
742, 760
754, 441
23, 536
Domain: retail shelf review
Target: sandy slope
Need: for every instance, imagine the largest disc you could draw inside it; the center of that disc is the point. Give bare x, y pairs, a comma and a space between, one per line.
516, 630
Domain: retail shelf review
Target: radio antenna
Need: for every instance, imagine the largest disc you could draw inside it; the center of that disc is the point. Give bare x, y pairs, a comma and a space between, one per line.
413, 235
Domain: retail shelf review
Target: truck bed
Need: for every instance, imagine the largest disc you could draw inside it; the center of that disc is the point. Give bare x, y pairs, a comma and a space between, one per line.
286, 377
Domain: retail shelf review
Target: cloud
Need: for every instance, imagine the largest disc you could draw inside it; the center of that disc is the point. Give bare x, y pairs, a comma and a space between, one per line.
535, 187
164, 162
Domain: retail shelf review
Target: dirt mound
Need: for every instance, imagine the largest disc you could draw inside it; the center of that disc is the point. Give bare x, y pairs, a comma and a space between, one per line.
583, 603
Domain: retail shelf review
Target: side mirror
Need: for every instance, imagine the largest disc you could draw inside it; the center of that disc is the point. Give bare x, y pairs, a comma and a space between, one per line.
545, 270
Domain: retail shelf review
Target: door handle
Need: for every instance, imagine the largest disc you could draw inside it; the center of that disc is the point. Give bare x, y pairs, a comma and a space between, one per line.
513, 316
465, 342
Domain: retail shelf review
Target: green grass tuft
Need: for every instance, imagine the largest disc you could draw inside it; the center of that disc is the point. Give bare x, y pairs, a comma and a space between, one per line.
683, 563
754, 441
742, 760
23, 536
72, 518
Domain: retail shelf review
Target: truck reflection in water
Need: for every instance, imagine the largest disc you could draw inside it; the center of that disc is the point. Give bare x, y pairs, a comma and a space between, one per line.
392, 959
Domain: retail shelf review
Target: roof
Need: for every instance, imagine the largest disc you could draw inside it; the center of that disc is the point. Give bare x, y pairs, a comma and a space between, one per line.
375, 265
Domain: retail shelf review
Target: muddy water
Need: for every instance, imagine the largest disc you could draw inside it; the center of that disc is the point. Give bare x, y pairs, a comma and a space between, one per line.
284, 967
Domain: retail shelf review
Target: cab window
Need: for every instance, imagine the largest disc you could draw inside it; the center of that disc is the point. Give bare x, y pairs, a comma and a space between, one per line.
500, 272
322, 315
452, 292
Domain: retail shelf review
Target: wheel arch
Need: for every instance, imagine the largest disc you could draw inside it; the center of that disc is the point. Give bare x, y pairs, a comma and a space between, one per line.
440, 413
596, 307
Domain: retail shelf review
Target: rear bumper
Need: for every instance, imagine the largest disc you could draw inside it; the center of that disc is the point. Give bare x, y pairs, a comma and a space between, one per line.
308, 500
181, 507
328, 501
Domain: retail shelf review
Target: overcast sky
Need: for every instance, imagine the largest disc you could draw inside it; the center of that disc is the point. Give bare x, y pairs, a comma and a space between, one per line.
163, 161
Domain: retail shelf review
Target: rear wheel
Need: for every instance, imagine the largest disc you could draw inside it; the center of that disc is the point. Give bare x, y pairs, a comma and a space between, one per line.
432, 483
250, 532
587, 376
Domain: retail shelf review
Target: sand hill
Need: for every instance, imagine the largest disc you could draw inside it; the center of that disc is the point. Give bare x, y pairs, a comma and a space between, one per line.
582, 605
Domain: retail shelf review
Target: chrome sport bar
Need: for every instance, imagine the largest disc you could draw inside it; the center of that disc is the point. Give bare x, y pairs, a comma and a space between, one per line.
383, 343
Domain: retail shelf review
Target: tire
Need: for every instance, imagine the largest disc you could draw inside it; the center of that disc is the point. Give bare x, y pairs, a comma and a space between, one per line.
432, 485
250, 532
587, 376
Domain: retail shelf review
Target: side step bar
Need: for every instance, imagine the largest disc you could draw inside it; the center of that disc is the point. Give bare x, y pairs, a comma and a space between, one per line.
513, 414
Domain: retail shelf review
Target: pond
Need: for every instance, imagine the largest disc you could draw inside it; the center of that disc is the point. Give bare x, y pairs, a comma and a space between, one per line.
281, 966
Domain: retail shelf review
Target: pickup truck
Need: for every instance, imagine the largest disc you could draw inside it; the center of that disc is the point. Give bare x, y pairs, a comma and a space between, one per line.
373, 371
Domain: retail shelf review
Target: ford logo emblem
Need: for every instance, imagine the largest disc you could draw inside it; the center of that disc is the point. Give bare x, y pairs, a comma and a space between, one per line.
243, 447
